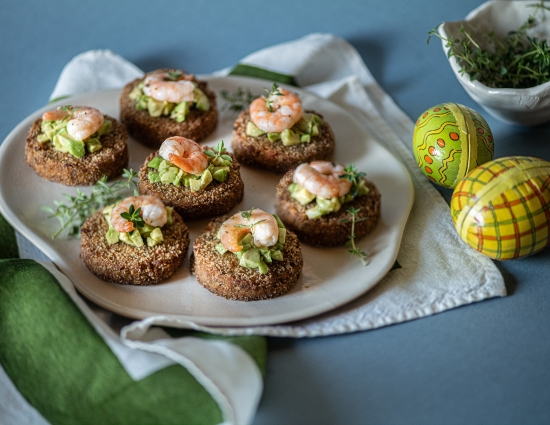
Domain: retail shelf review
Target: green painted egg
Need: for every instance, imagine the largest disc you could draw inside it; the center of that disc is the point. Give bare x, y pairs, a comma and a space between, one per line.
502, 208
449, 141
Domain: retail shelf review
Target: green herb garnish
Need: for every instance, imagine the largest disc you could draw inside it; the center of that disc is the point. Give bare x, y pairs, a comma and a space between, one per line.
174, 75
133, 216
354, 176
248, 215
353, 249
218, 151
270, 93
516, 61
81, 206
239, 100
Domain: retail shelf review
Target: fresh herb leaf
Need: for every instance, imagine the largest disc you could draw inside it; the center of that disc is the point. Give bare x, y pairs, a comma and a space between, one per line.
133, 216
516, 61
72, 212
237, 101
218, 151
354, 176
352, 248
275, 91
248, 215
174, 75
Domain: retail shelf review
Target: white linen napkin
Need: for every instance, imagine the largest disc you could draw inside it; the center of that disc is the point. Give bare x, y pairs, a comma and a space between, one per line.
438, 270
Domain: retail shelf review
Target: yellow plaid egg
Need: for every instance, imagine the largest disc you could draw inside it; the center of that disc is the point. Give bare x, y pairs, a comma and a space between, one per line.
502, 208
449, 141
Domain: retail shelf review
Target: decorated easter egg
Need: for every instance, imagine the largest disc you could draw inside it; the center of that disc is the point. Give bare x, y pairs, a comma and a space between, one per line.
502, 208
449, 141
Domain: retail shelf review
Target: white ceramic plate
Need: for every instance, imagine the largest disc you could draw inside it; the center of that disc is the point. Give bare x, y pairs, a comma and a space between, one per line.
329, 278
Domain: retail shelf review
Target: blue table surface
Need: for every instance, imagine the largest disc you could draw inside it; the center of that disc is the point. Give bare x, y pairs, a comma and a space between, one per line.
487, 362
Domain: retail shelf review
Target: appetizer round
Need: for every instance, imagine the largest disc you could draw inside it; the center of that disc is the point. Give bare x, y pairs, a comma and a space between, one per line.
145, 248
165, 103
197, 181
276, 134
249, 270
77, 146
313, 201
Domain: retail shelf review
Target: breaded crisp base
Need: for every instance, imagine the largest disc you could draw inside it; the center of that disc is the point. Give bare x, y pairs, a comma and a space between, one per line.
326, 230
64, 168
223, 276
260, 152
152, 131
216, 198
129, 265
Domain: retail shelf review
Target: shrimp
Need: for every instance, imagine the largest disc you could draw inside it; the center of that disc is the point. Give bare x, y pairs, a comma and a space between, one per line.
262, 225
322, 178
85, 122
159, 86
153, 212
185, 154
277, 112
57, 114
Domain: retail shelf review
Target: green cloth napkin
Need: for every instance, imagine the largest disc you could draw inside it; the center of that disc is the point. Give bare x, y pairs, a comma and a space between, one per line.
65, 370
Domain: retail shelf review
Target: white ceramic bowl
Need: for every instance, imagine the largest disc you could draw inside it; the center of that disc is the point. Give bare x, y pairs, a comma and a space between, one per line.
513, 106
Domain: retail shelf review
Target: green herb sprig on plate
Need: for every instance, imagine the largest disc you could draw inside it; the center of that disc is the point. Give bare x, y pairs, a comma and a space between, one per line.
352, 248
74, 212
515, 61
237, 101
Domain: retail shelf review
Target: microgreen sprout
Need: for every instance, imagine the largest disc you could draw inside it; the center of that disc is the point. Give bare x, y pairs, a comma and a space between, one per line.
133, 216
218, 151
275, 91
515, 61
239, 100
352, 248
72, 213
354, 176
174, 75
248, 215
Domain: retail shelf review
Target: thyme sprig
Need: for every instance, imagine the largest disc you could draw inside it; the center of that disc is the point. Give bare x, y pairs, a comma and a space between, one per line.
275, 91
515, 61
175, 75
239, 100
76, 209
218, 151
352, 248
354, 176
133, 216
248, 215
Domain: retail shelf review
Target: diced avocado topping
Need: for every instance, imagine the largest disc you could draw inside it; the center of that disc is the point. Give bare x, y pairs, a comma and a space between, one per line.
151, 234
201, 100
180, 111
324, 206
176, 111
155, 237
251, 256
253, 130
155, 162
273, 137
66, 143
219, 166
55, 131
156, 108
302, 132
290, 138
301, 194
112, 236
